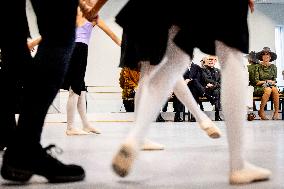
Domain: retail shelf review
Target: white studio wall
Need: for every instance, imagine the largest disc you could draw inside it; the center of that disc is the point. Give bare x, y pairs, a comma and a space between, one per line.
104, 54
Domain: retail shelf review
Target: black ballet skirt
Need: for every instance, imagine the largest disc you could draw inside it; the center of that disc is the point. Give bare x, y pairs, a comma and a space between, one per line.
75, 75
146, 25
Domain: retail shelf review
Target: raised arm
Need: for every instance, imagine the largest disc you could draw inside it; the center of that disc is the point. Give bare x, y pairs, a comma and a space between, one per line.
34, 43
91, 12
251, 5
101, 24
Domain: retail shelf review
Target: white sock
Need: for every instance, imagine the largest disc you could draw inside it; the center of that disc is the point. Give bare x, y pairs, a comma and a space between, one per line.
71, 108
233, 86
82, 109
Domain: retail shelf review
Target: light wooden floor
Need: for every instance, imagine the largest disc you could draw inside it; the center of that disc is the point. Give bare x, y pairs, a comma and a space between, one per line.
191, 160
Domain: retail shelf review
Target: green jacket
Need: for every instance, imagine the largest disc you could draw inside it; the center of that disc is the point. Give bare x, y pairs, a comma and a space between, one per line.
251, 70
263, 73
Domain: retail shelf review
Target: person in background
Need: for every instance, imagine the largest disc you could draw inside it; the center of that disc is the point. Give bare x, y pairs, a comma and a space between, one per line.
75, 77
211, 79
265, 82
42, 76
178, 108
252, 66
193, 78
128, 82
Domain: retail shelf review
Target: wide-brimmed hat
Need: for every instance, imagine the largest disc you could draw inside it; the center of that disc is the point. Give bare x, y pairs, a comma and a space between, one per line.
265, 50
252, 57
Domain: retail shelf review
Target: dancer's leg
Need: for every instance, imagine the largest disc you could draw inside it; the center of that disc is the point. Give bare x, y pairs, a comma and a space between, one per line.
145, 71
154, 93
234, 74
71, 113
82, 109
184, 95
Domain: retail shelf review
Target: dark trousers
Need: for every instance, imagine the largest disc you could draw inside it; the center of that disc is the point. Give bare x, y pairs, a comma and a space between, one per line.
43, 74
177, 105
128, 105
217, 101
197, 90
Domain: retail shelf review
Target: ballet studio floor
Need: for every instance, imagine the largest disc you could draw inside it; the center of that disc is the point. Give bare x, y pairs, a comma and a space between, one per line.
191, 160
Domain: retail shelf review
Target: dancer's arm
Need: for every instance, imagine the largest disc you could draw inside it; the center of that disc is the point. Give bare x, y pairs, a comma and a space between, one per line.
251, 5
101, 24
34, 43
91, 12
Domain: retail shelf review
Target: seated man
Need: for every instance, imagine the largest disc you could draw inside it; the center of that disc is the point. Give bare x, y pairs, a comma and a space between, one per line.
193, 79
211, 77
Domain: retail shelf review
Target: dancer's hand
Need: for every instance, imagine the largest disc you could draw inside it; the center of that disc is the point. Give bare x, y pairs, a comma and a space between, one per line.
251, 5
187, 81
87, 11
32, 43
91, 12
209, 85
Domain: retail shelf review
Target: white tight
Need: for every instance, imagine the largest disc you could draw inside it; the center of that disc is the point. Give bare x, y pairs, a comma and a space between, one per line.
158, 81
234, 84
155, 85
76, 102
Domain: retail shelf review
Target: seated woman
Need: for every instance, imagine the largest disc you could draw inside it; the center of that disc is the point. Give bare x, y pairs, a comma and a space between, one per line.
253, 63
265, 79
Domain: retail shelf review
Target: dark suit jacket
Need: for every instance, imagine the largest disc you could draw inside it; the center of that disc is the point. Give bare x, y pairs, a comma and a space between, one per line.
193, 73
196, 85
211, 75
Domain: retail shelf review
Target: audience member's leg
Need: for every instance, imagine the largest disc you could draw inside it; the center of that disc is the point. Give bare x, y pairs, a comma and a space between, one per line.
235, 114
178, 108
217, 103
275, 97
264, 99
197, 91
165, 107
128, 105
